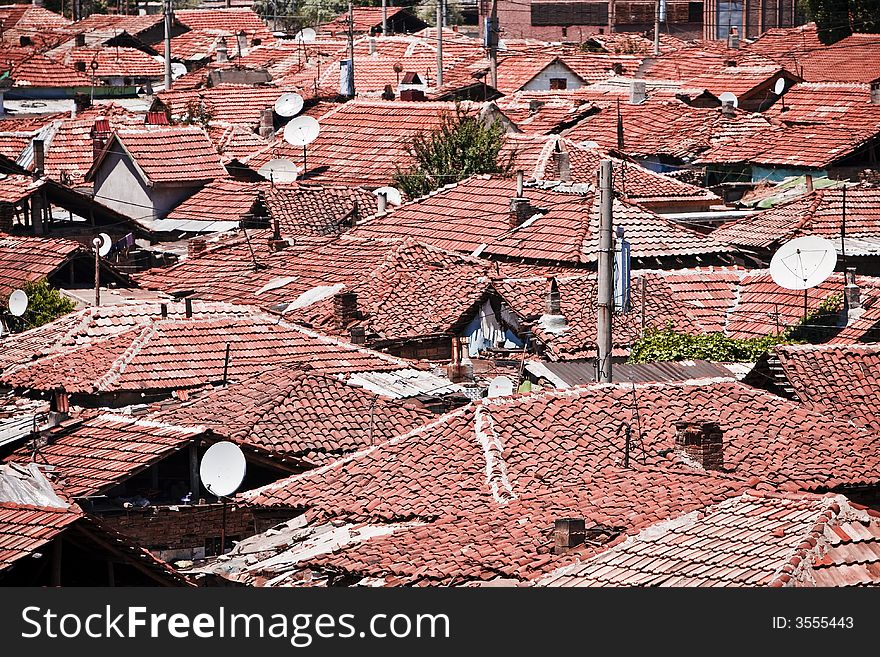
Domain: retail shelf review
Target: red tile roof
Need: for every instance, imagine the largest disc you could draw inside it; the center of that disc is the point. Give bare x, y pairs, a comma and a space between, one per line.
758, 539
27, 259
171, 354
30, 18
69, 155
93, 456
168, 155
234, 141
543, 112
865, 328
491, 478
306, 416
113, 62
227, 20
25, 528
361, 142
476, 212
839, 380
365, 20
134, 25
197, 45
818, 213
226, 103
742, 81
37, 70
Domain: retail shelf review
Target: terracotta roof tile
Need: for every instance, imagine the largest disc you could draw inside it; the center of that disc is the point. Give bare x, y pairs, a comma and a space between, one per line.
113, 62
27, 259
24, 529
170, 155
298, 414
92, 456
227, 20
226, 103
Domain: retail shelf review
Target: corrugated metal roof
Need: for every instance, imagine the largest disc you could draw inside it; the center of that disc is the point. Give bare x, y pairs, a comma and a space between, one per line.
580, 372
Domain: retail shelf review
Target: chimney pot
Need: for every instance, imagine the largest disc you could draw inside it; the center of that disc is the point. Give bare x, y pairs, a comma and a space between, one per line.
808, 181
727, 109
372, 43
733, 38
563, 165
700, 444
188, 303
519, 184
163, 309
222, 51
568, 533
80, 40
358, 335
267, 124
638, 92
853, 295
382, 209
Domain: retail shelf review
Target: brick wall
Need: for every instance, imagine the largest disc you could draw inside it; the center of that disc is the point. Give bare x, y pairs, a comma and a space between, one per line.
700, 444
189, 528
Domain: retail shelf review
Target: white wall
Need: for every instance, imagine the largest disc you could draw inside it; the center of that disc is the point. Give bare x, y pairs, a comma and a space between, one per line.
541, 82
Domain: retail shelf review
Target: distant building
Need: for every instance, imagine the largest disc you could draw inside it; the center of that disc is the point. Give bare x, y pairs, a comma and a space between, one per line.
564, 20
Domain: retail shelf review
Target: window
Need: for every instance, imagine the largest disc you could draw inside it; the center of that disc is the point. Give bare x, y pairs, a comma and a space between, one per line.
730, 15
570, 13
558, 83
695, 12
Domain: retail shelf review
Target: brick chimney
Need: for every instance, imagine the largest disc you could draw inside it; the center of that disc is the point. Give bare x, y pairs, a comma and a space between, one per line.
568, 533
382, 208
358, 335
188, 307
241, 42
80, 40
277, 243
700, 444
345, 308
728, 110
267, 124
196, 246
562, 165
554, 301
808, 182
39, 147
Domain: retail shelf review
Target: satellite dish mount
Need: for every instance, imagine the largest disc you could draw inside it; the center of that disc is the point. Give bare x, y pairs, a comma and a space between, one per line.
803, 263
222, 470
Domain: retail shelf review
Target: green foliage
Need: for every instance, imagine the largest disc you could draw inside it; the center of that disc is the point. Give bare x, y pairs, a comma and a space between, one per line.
832, 19
462, 146
427, 11
45, 304
668, 344
197, 114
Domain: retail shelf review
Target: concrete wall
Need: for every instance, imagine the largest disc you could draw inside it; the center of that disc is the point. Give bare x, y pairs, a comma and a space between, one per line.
541, 82
119, 186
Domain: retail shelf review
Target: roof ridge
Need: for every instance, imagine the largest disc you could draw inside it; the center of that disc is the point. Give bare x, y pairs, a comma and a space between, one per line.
493, 452
118, 366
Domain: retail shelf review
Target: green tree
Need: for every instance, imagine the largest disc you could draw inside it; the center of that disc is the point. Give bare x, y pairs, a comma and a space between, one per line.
427, 11
837, 19
463, 145
45, 304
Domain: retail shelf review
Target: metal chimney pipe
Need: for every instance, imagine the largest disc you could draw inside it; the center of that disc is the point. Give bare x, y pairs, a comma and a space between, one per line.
519, 184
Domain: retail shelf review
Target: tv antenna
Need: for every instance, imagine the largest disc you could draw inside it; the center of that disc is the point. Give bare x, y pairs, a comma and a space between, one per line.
500, 386
288, 105
102, 244
302, 131
392, 194
222, 470
803, 263
279, 171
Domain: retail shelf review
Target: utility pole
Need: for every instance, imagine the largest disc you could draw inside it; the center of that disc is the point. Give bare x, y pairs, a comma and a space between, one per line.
439, 43
492, 30
167, 45
606, 273
97, 244
384, 18
657, 28
351, 46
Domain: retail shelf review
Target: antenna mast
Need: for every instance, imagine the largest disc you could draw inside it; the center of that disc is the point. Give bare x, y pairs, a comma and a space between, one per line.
439, 43
351, 46
606, 273
167, 45
384, 18
657, 29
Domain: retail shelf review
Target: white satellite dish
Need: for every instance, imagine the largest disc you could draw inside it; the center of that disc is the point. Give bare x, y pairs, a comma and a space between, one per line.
301, 131
803, 263
279, 171
392, 194
500, 386
178, 70
18, 303
779, 87
306, 34
728, 97
222, 469
105, 245
288, 105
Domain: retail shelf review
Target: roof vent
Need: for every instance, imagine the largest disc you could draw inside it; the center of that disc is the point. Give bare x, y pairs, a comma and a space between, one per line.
196, 246
568, 533
80, 66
